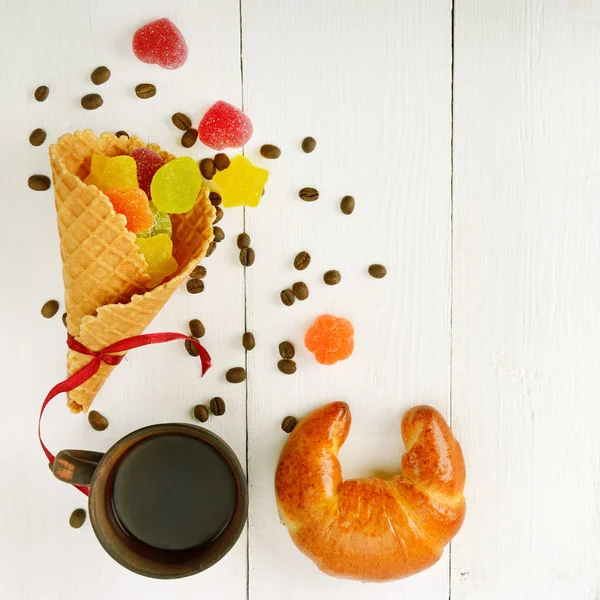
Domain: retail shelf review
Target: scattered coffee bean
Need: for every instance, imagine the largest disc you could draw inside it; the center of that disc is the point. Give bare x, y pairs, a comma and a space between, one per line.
248, 341
188, 139
287, 297
122, 133
288, 424
195, 286
41, 93
100, 75
97, 421
191, 349
199, 272
270, 151
302, 261
64, 319
219, 234
145, 90
207, 168
181, 121
201, 413
243, 241
217, 406
39, 183
347, 205
211, 248
92, 101
300, 290
197, 328
215, 198
309, 144
77, 518
221, 161
49, 309
332, 277
218, 214
286, 350
37, 137
288, 367
236, 375
308, 194
247, 257
377, 271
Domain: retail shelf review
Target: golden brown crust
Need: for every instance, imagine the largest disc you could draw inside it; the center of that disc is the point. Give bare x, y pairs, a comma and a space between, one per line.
371, 529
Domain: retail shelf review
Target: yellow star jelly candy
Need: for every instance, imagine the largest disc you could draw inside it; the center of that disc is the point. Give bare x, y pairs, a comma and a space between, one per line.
175, 186
118, 172
158, 253
241, 183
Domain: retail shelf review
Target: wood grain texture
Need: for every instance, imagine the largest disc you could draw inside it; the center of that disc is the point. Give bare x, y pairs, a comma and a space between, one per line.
371, 82
526, 319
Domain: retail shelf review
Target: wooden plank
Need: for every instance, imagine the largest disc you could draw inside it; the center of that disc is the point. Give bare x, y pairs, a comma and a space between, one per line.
371, 82
526, 316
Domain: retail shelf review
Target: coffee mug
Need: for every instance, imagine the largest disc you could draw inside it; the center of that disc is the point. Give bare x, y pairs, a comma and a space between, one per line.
166, 501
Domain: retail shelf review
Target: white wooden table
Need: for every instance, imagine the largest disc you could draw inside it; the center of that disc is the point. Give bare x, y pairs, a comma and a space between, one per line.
470, 139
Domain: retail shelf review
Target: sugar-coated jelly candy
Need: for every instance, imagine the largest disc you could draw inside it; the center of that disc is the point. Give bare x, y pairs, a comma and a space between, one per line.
160, 43
330, 339
133, 203
175, 186
147, 162
118, 172
224, 126
241, 183
158, 253
162, 224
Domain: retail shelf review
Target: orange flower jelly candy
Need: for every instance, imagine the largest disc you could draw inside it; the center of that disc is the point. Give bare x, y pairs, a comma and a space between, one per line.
133, 203
330, 339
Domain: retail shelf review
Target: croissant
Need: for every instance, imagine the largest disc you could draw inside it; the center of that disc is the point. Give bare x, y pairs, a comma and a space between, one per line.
371, 529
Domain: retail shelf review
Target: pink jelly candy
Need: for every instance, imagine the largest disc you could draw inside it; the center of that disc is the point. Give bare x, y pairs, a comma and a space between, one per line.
224, 126
147, 162
160, 43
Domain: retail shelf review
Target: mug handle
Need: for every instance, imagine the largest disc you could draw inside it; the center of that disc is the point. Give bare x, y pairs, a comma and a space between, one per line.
76, 466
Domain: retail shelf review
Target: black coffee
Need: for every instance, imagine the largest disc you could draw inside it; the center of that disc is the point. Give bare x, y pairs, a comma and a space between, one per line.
174, 492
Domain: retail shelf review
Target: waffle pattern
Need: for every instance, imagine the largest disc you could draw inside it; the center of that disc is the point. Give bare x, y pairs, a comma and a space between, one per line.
104, 274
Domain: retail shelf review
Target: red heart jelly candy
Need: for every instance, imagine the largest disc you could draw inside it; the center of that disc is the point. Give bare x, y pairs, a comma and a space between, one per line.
224, 126
160, 43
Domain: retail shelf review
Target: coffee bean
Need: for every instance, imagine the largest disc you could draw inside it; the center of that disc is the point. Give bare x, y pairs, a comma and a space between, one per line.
288, 367
219, 234
207, 168
201, 413
195, 286
77, 518
270, 151
211, 248
191, 349
221, 161
309, 144
41, 93
288, 424
121, 133
39, 183
308, 194
64, 319
37, 137
286, 350
145, 90
287, 297
300, 290
377, 271
247, 257
97, 421
243, 241
218, 214
100, 75
197, 328
217, 406
188, 139
215, 198
236, 375
248, 341
92, 101
347, 205
302, 261
181, 121
332, 277
49, 309
199, 272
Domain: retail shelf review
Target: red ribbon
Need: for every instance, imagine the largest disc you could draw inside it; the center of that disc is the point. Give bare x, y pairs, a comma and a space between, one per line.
110, 357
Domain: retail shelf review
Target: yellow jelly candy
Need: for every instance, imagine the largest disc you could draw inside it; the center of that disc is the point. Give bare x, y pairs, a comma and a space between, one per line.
241, 183
175, 186
158, 253
118, 172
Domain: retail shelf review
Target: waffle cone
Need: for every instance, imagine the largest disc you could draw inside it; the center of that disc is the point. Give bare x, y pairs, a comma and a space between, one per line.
104, 273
